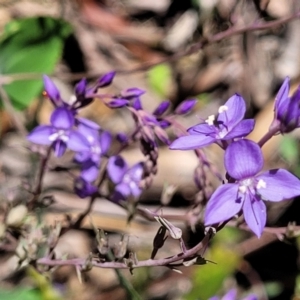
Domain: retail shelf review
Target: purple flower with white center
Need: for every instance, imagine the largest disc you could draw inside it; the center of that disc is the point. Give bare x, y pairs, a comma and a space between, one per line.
286, 109
220, 129
126, 179
90, 159
247, 188
60, 134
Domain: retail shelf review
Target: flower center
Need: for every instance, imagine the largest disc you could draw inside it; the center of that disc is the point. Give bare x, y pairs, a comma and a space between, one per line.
60, 134
210, 120
251, 183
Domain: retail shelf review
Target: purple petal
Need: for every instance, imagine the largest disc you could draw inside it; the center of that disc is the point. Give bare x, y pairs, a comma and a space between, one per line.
77, 142
136, 104
136, 171
280, 185
235, 112
190, 142
185, 107
59, 147
117, 103
123, 189
91, 134
52, 91
135, 189
89, 171
203, 128
161, 108
106, 79
282, 94
250, 297
83, 188
132, 93
62, 118
230, 295
40, 135
243, 159
105, 141
223, 204
116, 168
81, 157
81, 87
255, 214
88, 123
241, 130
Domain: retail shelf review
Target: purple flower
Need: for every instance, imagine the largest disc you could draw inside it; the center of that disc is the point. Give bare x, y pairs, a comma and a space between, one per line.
84, 188
52, 91
247, 188
161, 108
287, 110
226, 126
59, 134
106, 79
185, 107
90, 158
126, 179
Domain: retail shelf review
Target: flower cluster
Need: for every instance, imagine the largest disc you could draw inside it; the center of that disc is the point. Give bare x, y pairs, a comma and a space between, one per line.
246, 188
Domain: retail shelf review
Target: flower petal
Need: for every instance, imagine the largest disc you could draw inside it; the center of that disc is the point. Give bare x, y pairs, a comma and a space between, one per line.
280, 185
235, 112
89, 171
88, 123
40, 135
83, 188
136, 171
62, 118
192, 141
203, 128
282, 94
243, 159
241, 130
105, 141
81, 87
116, 168
255, 214
59, 147
77, 142
223, 204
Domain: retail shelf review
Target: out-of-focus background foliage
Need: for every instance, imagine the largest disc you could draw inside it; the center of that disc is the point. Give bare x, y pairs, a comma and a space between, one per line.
86, 38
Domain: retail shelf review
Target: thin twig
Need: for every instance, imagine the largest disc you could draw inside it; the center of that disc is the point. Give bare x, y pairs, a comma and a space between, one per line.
189, 254
255, 26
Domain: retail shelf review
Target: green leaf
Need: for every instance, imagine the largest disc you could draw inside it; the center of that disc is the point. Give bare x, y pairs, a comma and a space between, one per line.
31, 45
20, 294
159, 78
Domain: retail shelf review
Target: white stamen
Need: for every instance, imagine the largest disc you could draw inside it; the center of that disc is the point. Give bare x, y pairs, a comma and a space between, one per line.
261, 184
72, 100
210, 120
222, 109
60, 134
242, 189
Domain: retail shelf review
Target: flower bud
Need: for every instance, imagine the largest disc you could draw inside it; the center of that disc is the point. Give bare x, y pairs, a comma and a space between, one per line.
185, 107
106, 79
117, 103
132, 93
161, 108
52, 91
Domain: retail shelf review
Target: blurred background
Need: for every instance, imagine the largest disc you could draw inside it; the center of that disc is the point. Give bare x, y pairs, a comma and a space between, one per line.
166, 47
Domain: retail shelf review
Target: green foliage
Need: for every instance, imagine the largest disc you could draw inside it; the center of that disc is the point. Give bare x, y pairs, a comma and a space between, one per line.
20, 294
31, 45
289, 149
159, 78
208, 279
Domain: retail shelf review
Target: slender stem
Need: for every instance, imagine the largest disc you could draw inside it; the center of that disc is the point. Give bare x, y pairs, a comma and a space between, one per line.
189, 254
42, 170
268, 136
